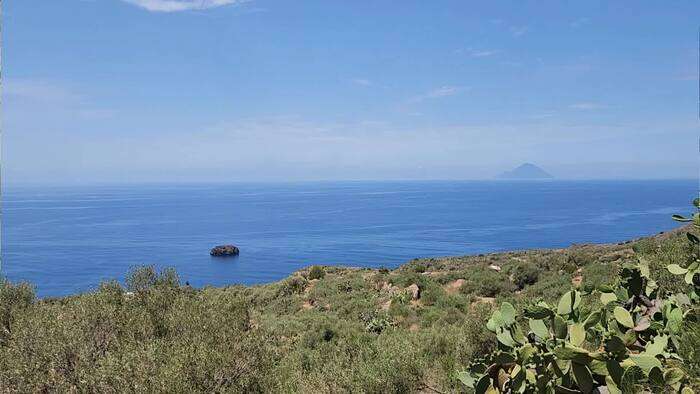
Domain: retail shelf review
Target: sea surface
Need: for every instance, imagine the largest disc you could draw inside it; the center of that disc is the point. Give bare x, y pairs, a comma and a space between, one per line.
66, 240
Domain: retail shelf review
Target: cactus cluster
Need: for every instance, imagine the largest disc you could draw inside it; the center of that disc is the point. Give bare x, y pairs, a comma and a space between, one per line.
626, 343
691, 273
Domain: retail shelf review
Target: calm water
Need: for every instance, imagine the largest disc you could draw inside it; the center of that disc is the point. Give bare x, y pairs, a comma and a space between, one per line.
66, 240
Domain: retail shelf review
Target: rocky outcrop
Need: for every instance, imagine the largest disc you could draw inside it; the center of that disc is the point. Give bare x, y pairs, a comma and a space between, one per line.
224, 250
454, 286
414, 291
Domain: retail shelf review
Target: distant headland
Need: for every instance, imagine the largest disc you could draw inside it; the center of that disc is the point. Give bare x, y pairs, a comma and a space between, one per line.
526, 171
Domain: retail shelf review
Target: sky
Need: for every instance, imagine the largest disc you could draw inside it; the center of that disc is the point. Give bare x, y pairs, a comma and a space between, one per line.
261, 90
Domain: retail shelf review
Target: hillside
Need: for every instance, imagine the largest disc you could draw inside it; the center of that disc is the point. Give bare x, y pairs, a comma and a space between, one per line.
323, 329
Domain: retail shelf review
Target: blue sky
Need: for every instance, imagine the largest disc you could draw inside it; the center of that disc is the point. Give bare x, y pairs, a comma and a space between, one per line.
223, 90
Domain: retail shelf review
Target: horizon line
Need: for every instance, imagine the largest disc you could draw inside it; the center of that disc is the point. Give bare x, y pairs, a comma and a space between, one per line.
326, 180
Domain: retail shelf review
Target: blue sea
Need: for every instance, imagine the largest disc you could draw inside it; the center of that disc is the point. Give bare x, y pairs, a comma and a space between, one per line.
66, 240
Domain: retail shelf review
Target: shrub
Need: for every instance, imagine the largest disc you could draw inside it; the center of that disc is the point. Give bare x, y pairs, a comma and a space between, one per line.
599, 274
142, 278
14, 299
405, 278
376, 322
320, 333
316, 272
523, 273
485, 282
432, 294
645, 246
345, 286
549, 286
451, 316
579, 258
294, 285
690, 345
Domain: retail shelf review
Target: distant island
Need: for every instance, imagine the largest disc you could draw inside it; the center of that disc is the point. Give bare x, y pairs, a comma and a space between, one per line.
526, 171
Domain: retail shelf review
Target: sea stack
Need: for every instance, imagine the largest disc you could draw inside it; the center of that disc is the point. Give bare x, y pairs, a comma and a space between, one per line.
224, 250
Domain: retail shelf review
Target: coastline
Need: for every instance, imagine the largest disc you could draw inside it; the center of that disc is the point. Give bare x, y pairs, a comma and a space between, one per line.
322, 329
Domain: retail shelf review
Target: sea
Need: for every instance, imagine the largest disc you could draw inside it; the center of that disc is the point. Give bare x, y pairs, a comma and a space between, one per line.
67, 239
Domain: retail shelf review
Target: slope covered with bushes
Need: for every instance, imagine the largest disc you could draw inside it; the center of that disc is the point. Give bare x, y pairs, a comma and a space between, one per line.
324, 329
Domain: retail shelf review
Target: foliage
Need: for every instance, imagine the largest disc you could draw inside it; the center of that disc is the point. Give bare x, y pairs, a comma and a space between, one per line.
631, 339
141, 279
14, 299
523, 274
294, 285
316, 272
486, 282
377, 322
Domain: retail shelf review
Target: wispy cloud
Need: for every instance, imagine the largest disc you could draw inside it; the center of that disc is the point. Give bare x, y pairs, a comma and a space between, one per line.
443, 91
544, 115
483, 53
518, 31
361, 81
477, 52
39, 91
42, 96
181, 5
587, 106
580, 22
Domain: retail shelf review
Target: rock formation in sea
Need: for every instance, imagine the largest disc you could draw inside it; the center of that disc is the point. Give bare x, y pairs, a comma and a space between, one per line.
224, 250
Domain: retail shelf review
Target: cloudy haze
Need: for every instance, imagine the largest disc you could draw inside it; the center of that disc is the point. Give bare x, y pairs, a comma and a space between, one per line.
226, 90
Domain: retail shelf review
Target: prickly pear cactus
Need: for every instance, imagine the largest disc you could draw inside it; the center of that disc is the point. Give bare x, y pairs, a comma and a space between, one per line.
691, 273
628, 344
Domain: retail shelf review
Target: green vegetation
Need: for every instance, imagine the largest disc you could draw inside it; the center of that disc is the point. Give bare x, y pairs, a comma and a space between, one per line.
323, 329
316, 272
625, 337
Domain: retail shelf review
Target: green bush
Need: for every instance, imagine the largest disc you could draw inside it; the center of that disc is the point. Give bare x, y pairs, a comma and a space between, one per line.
142, 278
523, 273
294, 285
599, 274
377, 322
579, 257
645, 246
485, 282
316, 272
14, 300
549, 286
689, 342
